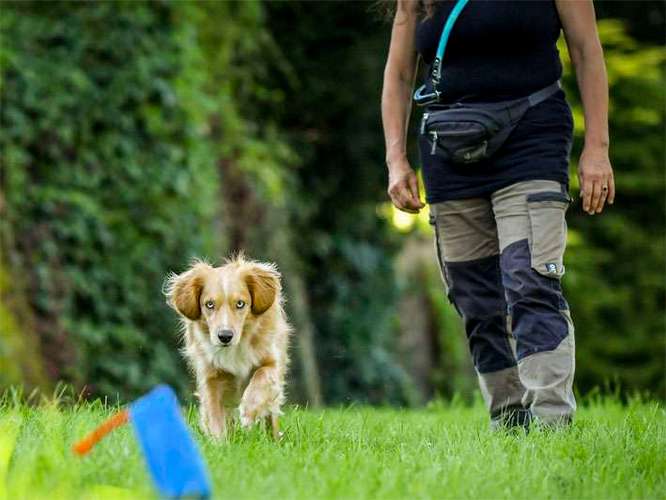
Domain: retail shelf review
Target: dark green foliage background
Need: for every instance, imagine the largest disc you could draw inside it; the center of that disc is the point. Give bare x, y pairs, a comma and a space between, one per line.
97, 174
332, 120
136, 136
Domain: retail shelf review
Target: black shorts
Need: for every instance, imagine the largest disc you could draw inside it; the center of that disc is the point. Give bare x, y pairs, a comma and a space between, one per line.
538, 148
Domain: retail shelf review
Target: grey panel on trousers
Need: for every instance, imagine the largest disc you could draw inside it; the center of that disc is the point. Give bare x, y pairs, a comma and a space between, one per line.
501, 389
466, 229
548, 379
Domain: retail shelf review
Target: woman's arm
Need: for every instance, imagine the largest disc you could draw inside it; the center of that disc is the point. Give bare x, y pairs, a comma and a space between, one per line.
594, 169
396, 107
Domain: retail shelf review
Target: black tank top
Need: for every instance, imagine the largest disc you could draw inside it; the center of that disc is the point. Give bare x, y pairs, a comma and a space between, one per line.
498, 49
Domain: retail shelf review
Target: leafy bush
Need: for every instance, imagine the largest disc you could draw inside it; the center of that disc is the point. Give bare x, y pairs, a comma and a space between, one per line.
97, 176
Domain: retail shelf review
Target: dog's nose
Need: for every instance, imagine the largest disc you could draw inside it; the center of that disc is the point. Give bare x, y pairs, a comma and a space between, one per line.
225, 336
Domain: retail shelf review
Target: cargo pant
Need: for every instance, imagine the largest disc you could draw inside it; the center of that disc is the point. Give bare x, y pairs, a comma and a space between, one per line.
502, 260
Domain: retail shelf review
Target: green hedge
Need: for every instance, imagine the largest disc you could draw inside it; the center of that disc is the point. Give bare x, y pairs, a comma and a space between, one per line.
102, 194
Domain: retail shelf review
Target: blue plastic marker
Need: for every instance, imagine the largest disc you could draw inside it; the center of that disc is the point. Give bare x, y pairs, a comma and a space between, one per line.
171, 455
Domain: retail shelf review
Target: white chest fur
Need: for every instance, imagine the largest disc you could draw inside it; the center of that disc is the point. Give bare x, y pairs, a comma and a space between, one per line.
238, 360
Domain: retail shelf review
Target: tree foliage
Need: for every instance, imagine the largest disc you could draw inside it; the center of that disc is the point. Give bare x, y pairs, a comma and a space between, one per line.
136, 136
111, 152
98, 172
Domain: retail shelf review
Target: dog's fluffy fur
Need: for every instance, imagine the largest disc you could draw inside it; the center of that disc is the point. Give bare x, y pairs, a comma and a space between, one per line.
241, 299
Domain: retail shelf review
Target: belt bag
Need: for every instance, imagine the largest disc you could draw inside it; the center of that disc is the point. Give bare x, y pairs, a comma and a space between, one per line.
470, 132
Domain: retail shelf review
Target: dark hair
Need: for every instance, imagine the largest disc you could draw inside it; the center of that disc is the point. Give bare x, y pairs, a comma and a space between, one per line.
387, 8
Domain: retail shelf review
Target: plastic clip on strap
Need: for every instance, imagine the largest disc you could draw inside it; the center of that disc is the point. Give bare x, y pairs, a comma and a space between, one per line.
420, 97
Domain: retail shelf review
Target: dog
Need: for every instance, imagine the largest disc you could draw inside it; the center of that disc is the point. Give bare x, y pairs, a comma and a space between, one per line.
236, 337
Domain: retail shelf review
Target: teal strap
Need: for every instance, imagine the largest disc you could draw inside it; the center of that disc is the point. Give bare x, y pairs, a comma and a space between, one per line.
423, 95
444, 39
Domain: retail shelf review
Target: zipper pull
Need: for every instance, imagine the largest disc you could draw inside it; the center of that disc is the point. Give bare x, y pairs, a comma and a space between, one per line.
423, 122
434, 142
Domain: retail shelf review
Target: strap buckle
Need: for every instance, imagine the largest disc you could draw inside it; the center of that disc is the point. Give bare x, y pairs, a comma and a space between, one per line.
422, 99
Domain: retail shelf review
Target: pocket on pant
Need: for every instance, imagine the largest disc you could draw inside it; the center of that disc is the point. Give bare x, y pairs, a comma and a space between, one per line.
548, 231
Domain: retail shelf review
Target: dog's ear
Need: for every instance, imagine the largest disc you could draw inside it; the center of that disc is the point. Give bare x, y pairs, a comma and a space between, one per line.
183, 291
263, 281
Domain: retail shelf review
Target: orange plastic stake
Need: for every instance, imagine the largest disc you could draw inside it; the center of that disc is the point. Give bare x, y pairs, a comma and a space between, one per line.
86, 444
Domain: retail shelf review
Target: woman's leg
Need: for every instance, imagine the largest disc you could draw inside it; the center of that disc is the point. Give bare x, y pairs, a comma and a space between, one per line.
468, 254
532, 230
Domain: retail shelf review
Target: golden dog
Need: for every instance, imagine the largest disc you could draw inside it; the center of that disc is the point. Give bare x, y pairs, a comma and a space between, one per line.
236, 337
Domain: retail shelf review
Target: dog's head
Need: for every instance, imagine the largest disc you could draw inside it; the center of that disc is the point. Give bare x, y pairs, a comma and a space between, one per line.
224, 300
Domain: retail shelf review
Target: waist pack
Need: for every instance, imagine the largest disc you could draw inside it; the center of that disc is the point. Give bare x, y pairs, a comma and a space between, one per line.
470, 132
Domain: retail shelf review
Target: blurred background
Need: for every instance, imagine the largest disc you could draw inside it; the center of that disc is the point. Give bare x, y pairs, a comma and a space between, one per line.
136, 136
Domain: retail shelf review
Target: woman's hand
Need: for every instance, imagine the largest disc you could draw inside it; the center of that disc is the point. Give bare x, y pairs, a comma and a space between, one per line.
595, 175
403, 187
594, 168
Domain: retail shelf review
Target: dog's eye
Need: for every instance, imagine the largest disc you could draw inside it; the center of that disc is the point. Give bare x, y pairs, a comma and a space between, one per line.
240, 304
210, 304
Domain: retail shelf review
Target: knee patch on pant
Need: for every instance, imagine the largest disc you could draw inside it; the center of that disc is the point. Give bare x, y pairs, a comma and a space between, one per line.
535, 302
548, 379
475, 289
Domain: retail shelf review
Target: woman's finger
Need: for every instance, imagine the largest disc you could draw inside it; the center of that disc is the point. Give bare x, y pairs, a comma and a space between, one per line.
409, 205
602, 198
401, 200
414, 190
611, 190
605, 192
396, 201
586, 194
596, 196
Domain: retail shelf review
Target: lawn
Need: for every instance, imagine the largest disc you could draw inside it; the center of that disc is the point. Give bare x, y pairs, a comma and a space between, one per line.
443, 451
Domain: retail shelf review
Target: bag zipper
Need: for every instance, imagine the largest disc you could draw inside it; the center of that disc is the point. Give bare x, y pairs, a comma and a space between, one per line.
434, 142
423, 122
458, 132
435, 121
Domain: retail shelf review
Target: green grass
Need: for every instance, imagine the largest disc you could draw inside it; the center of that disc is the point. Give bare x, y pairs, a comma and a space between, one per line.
444, 451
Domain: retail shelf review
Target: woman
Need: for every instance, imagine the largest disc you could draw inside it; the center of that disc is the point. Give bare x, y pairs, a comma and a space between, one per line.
499, 223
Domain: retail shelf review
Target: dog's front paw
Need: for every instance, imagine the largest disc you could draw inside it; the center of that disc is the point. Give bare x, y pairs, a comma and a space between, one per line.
213, 428
247, 415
